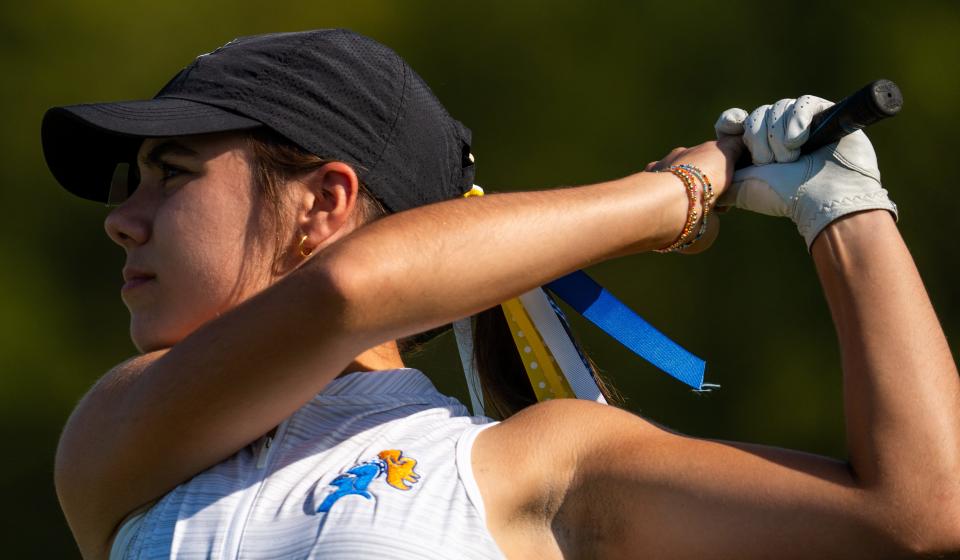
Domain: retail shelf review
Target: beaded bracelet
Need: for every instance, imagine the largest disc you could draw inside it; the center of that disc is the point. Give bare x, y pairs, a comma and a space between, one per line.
705, 204
687, 178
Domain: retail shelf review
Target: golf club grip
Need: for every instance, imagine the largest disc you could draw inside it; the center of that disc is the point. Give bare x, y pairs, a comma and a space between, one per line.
871, 103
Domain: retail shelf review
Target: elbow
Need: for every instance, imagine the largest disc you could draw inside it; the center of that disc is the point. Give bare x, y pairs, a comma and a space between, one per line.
371, 299
344, 303
928, 542
931, 526
940, 537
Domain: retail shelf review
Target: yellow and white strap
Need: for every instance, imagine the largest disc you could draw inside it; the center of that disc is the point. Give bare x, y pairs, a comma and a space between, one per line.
551, 359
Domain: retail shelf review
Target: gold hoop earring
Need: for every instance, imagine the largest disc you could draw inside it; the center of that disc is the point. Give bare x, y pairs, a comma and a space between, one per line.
303, 253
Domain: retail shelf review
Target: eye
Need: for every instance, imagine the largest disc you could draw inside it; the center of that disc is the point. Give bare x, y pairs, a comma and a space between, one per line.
168, 172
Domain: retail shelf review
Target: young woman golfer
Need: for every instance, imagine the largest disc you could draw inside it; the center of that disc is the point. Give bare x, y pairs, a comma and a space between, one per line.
270, 414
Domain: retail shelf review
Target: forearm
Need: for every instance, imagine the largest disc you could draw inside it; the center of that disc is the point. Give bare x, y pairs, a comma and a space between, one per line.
901, 390
434, 264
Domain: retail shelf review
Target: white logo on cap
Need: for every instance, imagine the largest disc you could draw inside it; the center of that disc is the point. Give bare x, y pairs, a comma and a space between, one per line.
220, 48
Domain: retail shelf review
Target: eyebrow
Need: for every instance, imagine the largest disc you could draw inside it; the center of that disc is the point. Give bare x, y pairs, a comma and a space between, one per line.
168, 147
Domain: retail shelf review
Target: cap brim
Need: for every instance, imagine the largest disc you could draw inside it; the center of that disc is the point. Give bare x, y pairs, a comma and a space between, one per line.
83, 144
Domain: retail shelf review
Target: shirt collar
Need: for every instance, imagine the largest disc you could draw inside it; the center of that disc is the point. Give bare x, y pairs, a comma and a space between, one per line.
384, 382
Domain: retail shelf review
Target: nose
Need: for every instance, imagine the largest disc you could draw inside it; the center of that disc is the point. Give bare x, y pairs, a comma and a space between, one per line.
128, 225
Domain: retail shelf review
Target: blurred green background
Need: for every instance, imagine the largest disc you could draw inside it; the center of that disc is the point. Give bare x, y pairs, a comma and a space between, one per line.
556, 93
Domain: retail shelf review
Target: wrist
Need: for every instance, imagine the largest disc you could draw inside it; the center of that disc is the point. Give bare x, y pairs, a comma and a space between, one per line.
699, 194
811, 229
852, 232
673, 208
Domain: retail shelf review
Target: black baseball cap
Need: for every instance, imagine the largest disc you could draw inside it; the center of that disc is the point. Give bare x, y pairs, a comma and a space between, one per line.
334, 93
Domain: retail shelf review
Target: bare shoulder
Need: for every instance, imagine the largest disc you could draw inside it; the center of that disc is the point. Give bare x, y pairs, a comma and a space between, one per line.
562, 424
82, 476
526, 465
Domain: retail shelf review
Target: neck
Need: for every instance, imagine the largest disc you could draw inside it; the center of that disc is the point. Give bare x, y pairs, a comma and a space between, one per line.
385, 356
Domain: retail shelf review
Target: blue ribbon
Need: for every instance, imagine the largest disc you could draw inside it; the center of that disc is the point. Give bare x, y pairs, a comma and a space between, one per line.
604, 310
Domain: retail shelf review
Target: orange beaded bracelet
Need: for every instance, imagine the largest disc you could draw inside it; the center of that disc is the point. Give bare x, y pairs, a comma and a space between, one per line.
687, 178
706, 199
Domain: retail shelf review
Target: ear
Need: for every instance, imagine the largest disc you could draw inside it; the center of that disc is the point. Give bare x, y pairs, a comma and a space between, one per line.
325, 205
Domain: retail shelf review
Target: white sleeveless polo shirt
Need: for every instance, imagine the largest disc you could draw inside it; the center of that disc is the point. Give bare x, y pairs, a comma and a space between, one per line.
375, 466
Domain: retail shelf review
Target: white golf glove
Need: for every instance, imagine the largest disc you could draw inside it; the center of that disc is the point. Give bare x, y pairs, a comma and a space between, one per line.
813, 189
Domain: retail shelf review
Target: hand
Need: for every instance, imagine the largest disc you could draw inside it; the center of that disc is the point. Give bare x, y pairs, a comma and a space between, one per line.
813, 189
716, 160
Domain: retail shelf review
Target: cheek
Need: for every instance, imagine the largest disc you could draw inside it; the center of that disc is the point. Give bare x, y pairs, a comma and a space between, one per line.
204, 249
208, 262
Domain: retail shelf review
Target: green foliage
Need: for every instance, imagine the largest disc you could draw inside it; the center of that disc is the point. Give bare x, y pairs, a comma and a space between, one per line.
556, 93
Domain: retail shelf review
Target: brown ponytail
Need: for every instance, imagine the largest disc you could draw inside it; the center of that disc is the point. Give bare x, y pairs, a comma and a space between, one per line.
506, 388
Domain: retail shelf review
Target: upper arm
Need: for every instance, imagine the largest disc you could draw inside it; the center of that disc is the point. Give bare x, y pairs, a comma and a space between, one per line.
616, 485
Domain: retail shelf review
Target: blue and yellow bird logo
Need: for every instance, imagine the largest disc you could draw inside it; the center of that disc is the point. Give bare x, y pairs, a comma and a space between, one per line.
399, 471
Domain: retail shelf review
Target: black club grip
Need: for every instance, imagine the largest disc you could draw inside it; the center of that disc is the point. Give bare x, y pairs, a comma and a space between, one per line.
871, 103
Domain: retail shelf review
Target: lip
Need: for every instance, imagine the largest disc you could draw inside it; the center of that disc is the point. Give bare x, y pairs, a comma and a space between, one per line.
134, 277
131, 284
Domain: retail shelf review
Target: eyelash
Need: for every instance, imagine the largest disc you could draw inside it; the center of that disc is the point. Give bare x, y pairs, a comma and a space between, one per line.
165, 168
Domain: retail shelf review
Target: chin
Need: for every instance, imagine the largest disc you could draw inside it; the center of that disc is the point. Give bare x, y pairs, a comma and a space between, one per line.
149, 338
